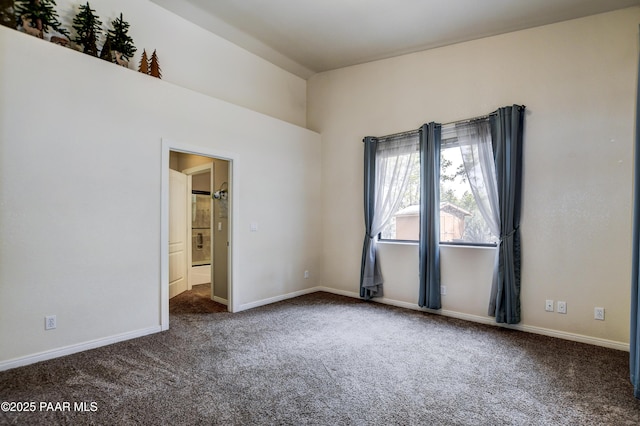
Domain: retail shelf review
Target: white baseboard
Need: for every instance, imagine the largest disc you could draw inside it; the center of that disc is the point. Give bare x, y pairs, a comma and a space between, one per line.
339, 292
72, 349
612, 344
280, 298
220, 300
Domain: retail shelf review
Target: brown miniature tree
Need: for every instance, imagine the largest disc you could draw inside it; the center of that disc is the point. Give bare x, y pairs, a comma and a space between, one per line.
106, 52
155, 70
144, 63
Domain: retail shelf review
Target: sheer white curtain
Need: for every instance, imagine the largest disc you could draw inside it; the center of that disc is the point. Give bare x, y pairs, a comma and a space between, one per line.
474, 139
394, 158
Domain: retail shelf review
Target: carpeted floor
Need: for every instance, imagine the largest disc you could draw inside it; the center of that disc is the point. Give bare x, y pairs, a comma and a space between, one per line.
195, 301
323, 359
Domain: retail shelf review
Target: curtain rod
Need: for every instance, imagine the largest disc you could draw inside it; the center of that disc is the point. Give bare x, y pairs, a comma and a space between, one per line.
480, 117
469, 120
396, 135
411, 132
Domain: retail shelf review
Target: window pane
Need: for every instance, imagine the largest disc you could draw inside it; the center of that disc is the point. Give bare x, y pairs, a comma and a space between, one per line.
404, 224
460, 218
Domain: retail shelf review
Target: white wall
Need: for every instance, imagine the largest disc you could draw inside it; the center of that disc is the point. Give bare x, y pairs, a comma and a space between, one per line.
199, 60
80, 166
80, 196
577, 79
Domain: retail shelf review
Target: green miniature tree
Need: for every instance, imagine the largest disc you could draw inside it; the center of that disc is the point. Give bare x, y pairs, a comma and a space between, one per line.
155, 70
40, 14
7, 15
87, 26
120, 40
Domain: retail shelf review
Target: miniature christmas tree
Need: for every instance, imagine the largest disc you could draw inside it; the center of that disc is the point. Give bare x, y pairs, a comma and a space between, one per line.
120, 40
106, 53
7, 15
155, 70
87, 25
144, 63
40, 14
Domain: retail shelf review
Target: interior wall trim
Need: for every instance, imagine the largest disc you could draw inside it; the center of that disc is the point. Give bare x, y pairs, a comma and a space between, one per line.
574, 337
220, 300
279, 298
72, 349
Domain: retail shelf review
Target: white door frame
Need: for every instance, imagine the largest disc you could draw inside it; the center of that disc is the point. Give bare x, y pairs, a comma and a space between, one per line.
232, 259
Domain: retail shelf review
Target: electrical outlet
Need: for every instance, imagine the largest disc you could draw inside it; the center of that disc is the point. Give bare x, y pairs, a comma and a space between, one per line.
306, 275
561, 307
548, 306
598, 313
443, 290
50, 322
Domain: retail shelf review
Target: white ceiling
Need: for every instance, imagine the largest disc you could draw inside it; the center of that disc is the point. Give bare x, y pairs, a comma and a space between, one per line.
310, 36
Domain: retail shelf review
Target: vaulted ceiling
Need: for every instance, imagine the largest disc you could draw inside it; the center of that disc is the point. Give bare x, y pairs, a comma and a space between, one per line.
310, 36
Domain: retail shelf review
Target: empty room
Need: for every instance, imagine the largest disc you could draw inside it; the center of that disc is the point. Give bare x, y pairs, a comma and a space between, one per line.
338, 212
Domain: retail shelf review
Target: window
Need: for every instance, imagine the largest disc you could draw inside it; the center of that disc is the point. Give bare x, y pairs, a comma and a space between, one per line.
461, 221
405, 221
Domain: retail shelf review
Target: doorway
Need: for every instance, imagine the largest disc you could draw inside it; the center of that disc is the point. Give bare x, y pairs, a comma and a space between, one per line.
207, 222
207, 243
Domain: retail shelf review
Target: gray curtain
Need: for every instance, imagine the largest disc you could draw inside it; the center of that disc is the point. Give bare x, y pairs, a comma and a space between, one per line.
387, 165
634, 340
507, 134
429, 245
369, 266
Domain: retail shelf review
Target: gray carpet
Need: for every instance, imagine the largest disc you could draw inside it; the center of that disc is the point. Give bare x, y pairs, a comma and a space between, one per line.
195, 301
323, 359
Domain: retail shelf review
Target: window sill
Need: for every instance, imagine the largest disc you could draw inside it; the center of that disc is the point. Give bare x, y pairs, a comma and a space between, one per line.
398, 242
415, 243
